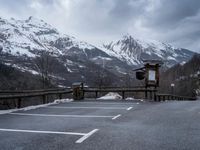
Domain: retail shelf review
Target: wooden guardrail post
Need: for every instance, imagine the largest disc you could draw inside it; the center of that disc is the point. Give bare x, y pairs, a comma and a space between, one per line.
155, 96
150, 95
19, 101
146, 94
83, 93
159, 98
44, 97
96, 94
123, 94
60, 96
163, 97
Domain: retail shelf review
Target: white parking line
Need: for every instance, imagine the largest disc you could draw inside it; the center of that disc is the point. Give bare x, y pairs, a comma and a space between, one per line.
115, 117
52, 115
129, 108
47, 132
83, 138
86, 136
123, 108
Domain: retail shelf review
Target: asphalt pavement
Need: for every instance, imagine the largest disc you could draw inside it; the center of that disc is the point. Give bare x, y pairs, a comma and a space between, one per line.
104, 125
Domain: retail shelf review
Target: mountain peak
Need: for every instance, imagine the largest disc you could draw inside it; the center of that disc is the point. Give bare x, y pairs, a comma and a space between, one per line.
127, 36
34, 19
133, 51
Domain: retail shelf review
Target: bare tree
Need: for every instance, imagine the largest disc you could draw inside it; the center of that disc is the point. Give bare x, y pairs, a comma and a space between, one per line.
103, 78
44, 65
99, 78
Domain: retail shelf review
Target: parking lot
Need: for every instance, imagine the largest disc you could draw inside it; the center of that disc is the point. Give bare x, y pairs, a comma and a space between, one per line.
72, 122
102, 125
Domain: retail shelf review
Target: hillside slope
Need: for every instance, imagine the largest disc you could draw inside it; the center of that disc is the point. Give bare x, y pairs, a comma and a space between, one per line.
186, 78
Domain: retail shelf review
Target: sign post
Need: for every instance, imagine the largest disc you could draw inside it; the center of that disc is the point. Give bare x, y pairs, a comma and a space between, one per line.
150, 73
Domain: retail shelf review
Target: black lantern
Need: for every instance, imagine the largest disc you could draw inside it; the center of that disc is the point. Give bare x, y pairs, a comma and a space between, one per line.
140, 75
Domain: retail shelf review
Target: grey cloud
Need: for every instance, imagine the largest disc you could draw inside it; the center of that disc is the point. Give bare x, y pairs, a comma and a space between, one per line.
98, 21
170, 12
124, 10
14, 6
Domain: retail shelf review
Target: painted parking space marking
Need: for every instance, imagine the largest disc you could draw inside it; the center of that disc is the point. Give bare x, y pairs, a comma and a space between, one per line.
63, 107
129, 108
115, 117
86, 136
69, 116
47, 132
80, 140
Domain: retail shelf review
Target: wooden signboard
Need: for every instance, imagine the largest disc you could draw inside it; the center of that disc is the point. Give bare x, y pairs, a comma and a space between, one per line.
152, 75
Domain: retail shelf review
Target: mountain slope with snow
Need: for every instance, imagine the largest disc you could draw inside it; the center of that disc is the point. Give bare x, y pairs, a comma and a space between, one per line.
23, 37
133, 51
23, 41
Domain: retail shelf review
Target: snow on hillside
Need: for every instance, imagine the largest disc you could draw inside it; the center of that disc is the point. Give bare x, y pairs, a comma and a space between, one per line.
133, 51
30, 37
23, 37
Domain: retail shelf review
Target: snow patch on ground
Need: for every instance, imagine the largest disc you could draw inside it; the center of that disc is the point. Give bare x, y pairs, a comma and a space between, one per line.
183, 63
133, 99
111, 96
130, 98
35, 107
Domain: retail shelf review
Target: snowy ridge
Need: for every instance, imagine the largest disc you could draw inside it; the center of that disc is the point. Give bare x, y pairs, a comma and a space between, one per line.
133, 51
23, 37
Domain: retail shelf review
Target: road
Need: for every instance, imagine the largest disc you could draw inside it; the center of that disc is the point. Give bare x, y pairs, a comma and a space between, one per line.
104, 125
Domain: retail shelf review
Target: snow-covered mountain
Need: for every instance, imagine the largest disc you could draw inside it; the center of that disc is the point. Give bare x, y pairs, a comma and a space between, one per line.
26, 37
22, 41
133, 51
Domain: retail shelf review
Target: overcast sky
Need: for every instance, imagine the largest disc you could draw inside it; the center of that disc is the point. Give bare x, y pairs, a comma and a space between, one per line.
100, 21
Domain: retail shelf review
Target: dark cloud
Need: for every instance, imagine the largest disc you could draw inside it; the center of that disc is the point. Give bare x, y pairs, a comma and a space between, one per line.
98, 21
176, 22
125, 11
169, 13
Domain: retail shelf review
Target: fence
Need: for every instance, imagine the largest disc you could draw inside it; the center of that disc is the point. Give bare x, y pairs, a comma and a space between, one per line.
19, 95
123, 91
163, 97
150, 94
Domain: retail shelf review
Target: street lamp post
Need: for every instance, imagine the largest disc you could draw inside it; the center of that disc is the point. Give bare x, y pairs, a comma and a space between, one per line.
172, 88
